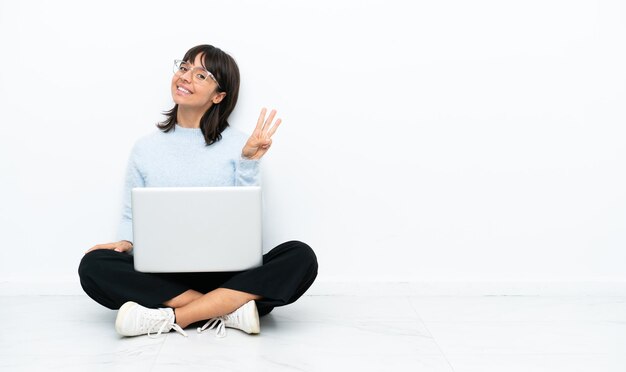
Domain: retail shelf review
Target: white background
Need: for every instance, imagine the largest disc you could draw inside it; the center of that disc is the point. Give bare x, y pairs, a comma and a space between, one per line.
422, 141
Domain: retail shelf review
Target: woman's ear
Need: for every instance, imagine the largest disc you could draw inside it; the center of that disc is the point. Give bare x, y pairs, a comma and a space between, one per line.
219, 97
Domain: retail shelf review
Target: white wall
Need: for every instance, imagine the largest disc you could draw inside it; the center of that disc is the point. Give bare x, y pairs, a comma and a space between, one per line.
447, 140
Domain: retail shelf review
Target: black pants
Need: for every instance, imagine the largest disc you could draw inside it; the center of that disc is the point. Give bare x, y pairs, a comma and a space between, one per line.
110, 278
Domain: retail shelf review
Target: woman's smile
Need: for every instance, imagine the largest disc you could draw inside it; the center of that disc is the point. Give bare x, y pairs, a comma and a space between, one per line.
180, 90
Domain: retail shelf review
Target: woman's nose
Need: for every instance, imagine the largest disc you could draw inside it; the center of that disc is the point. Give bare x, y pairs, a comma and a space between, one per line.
187, 76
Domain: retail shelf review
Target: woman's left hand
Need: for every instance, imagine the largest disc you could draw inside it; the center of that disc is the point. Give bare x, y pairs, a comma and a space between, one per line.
261, 139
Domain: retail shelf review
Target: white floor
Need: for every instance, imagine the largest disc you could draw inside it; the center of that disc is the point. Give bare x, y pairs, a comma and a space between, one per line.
332, 333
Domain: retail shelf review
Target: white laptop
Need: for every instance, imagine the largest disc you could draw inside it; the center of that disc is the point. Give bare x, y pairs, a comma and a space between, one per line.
196, 229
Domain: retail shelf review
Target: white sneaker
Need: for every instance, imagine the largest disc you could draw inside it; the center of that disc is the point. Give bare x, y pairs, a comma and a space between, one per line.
134, 320
246, 318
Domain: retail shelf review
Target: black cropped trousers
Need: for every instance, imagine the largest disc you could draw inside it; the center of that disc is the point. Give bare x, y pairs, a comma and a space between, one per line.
109, 278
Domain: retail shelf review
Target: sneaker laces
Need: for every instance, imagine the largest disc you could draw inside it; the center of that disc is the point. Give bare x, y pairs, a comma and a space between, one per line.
166, 324
219, 323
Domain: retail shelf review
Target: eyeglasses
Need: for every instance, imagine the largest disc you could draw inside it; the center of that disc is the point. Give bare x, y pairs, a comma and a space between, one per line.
199, 74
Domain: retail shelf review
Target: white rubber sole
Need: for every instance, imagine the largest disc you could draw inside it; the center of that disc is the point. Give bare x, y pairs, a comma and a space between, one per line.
121, 315
255, 326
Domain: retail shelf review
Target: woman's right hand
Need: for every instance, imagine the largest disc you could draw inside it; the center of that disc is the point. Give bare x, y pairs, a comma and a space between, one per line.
121, 246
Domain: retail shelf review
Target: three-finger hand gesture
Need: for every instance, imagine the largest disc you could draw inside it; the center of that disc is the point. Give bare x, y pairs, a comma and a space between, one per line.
261, 139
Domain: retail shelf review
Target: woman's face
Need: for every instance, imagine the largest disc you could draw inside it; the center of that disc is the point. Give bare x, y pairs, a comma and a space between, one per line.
193, 94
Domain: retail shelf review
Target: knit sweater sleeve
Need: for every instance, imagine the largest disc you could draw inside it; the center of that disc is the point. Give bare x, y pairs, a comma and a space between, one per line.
247, 172
133, 179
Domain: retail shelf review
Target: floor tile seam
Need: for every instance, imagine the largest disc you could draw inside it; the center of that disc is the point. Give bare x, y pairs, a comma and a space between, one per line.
158, 353
361, 320
353, 295
520, 297
562, 354
415, 310
360, 324
448, 355
443, 354
526, 322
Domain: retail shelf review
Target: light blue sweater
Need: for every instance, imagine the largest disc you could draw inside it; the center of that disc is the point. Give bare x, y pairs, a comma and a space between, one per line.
181, 158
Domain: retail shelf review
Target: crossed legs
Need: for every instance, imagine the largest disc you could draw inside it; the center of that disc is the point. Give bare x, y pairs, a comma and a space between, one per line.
192, 306
287, 272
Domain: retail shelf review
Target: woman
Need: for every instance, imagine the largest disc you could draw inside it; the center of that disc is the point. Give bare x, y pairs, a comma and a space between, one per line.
196, 147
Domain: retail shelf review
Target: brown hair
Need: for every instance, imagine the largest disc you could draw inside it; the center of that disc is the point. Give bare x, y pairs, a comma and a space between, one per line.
226, 72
